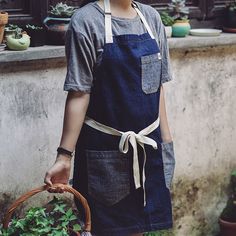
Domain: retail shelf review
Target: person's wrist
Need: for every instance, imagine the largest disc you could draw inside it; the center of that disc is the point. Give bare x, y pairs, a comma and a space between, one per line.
63, 157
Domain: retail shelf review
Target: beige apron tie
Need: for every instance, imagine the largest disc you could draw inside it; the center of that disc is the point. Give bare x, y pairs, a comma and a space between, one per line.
134, 139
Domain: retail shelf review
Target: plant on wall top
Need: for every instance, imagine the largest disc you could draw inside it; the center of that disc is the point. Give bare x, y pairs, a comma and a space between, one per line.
62, 10
231, 6
178, 9
167, 20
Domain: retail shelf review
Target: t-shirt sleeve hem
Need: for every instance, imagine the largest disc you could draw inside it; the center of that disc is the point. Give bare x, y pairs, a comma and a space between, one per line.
76, 88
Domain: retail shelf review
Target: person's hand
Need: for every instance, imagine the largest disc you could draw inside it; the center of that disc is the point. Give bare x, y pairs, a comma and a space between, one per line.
58, 173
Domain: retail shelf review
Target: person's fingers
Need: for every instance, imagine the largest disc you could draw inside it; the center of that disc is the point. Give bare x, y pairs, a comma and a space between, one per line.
47, 179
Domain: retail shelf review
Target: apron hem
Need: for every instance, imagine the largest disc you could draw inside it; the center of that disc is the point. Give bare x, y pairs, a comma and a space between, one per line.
135, 229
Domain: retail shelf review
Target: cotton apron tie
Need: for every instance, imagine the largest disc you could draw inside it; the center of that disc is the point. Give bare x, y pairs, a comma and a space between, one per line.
134, 139
129, 137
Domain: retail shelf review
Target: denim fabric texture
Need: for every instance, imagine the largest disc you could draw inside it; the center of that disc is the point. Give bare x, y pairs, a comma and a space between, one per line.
151, 73
108, 176
102, 174
168, 162
85, 42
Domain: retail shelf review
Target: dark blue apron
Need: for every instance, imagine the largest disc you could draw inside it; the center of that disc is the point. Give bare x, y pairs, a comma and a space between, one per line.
125, 96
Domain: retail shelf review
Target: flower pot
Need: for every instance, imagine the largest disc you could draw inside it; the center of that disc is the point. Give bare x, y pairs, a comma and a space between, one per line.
56, 29
3, 22
37, 37
18, 44
227, 228
168, 30
180, 28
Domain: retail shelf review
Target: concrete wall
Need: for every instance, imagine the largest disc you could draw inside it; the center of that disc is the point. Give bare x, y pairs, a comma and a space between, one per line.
202, 116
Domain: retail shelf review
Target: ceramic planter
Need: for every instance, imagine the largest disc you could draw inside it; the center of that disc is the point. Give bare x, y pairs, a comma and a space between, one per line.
3, 22
180, 28
18, 44
227, 228
56, 29
37, 37
168, 30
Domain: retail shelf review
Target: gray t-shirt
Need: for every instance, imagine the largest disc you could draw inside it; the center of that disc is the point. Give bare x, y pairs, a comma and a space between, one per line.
85, 39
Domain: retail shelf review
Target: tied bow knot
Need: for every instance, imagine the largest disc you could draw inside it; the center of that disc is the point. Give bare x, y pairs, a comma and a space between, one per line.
135, 139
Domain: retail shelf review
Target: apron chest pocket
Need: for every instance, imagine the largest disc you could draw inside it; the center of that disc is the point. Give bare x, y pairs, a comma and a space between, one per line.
168, 162
151, 72
108, 176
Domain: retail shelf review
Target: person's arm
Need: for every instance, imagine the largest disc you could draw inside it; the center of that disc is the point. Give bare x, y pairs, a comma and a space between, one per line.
165, 131
75, 110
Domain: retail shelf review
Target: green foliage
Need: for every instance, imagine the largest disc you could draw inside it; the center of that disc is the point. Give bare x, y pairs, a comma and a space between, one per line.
62, 10
58, 220
160, 233
11, 27
178, 9
231, 6
33, 27
229, 212
166, 19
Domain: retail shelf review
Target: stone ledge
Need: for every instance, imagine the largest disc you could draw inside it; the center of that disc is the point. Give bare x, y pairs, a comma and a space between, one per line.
33, 53
50, 52
196, 42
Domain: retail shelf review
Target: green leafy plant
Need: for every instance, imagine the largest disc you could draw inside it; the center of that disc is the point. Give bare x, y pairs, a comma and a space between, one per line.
33, 27
57, 219
229, 212
160, 233
166, 19
11, 27
178, 9
62, 10
231, 6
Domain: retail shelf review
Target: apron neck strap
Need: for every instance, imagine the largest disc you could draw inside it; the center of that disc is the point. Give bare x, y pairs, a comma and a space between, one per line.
108, 21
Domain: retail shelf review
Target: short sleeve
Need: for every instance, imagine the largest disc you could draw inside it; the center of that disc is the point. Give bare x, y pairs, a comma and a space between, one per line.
166, 70
80, 55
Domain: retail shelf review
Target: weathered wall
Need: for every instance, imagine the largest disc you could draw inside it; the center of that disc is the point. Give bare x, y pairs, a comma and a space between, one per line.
202, 117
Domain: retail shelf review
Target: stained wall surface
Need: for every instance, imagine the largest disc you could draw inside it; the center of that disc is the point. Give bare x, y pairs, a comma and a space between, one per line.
201, 111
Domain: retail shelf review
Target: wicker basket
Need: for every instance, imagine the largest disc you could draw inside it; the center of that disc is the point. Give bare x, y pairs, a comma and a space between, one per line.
67, 188
3, 22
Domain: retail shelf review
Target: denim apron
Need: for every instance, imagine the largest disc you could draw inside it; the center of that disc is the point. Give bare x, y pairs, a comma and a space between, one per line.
118, 159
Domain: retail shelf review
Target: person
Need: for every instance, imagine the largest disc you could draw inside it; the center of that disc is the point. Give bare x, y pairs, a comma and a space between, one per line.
115, 118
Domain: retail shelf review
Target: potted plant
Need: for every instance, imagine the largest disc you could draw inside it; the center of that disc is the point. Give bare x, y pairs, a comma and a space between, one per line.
37, 35
57, 23
168, 21
18, 41
227, 219
179, 12
10, 29
3, 22
230, 17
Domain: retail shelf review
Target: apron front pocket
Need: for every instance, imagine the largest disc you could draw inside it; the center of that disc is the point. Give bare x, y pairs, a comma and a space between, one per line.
168, 162
151, 72
108, 176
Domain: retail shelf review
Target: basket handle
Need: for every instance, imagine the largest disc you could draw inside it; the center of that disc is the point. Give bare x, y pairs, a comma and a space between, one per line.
45, 187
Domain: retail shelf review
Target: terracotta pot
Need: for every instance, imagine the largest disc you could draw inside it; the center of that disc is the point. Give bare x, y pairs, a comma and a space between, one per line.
3, 22
180, 28
227, 228
56, 29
